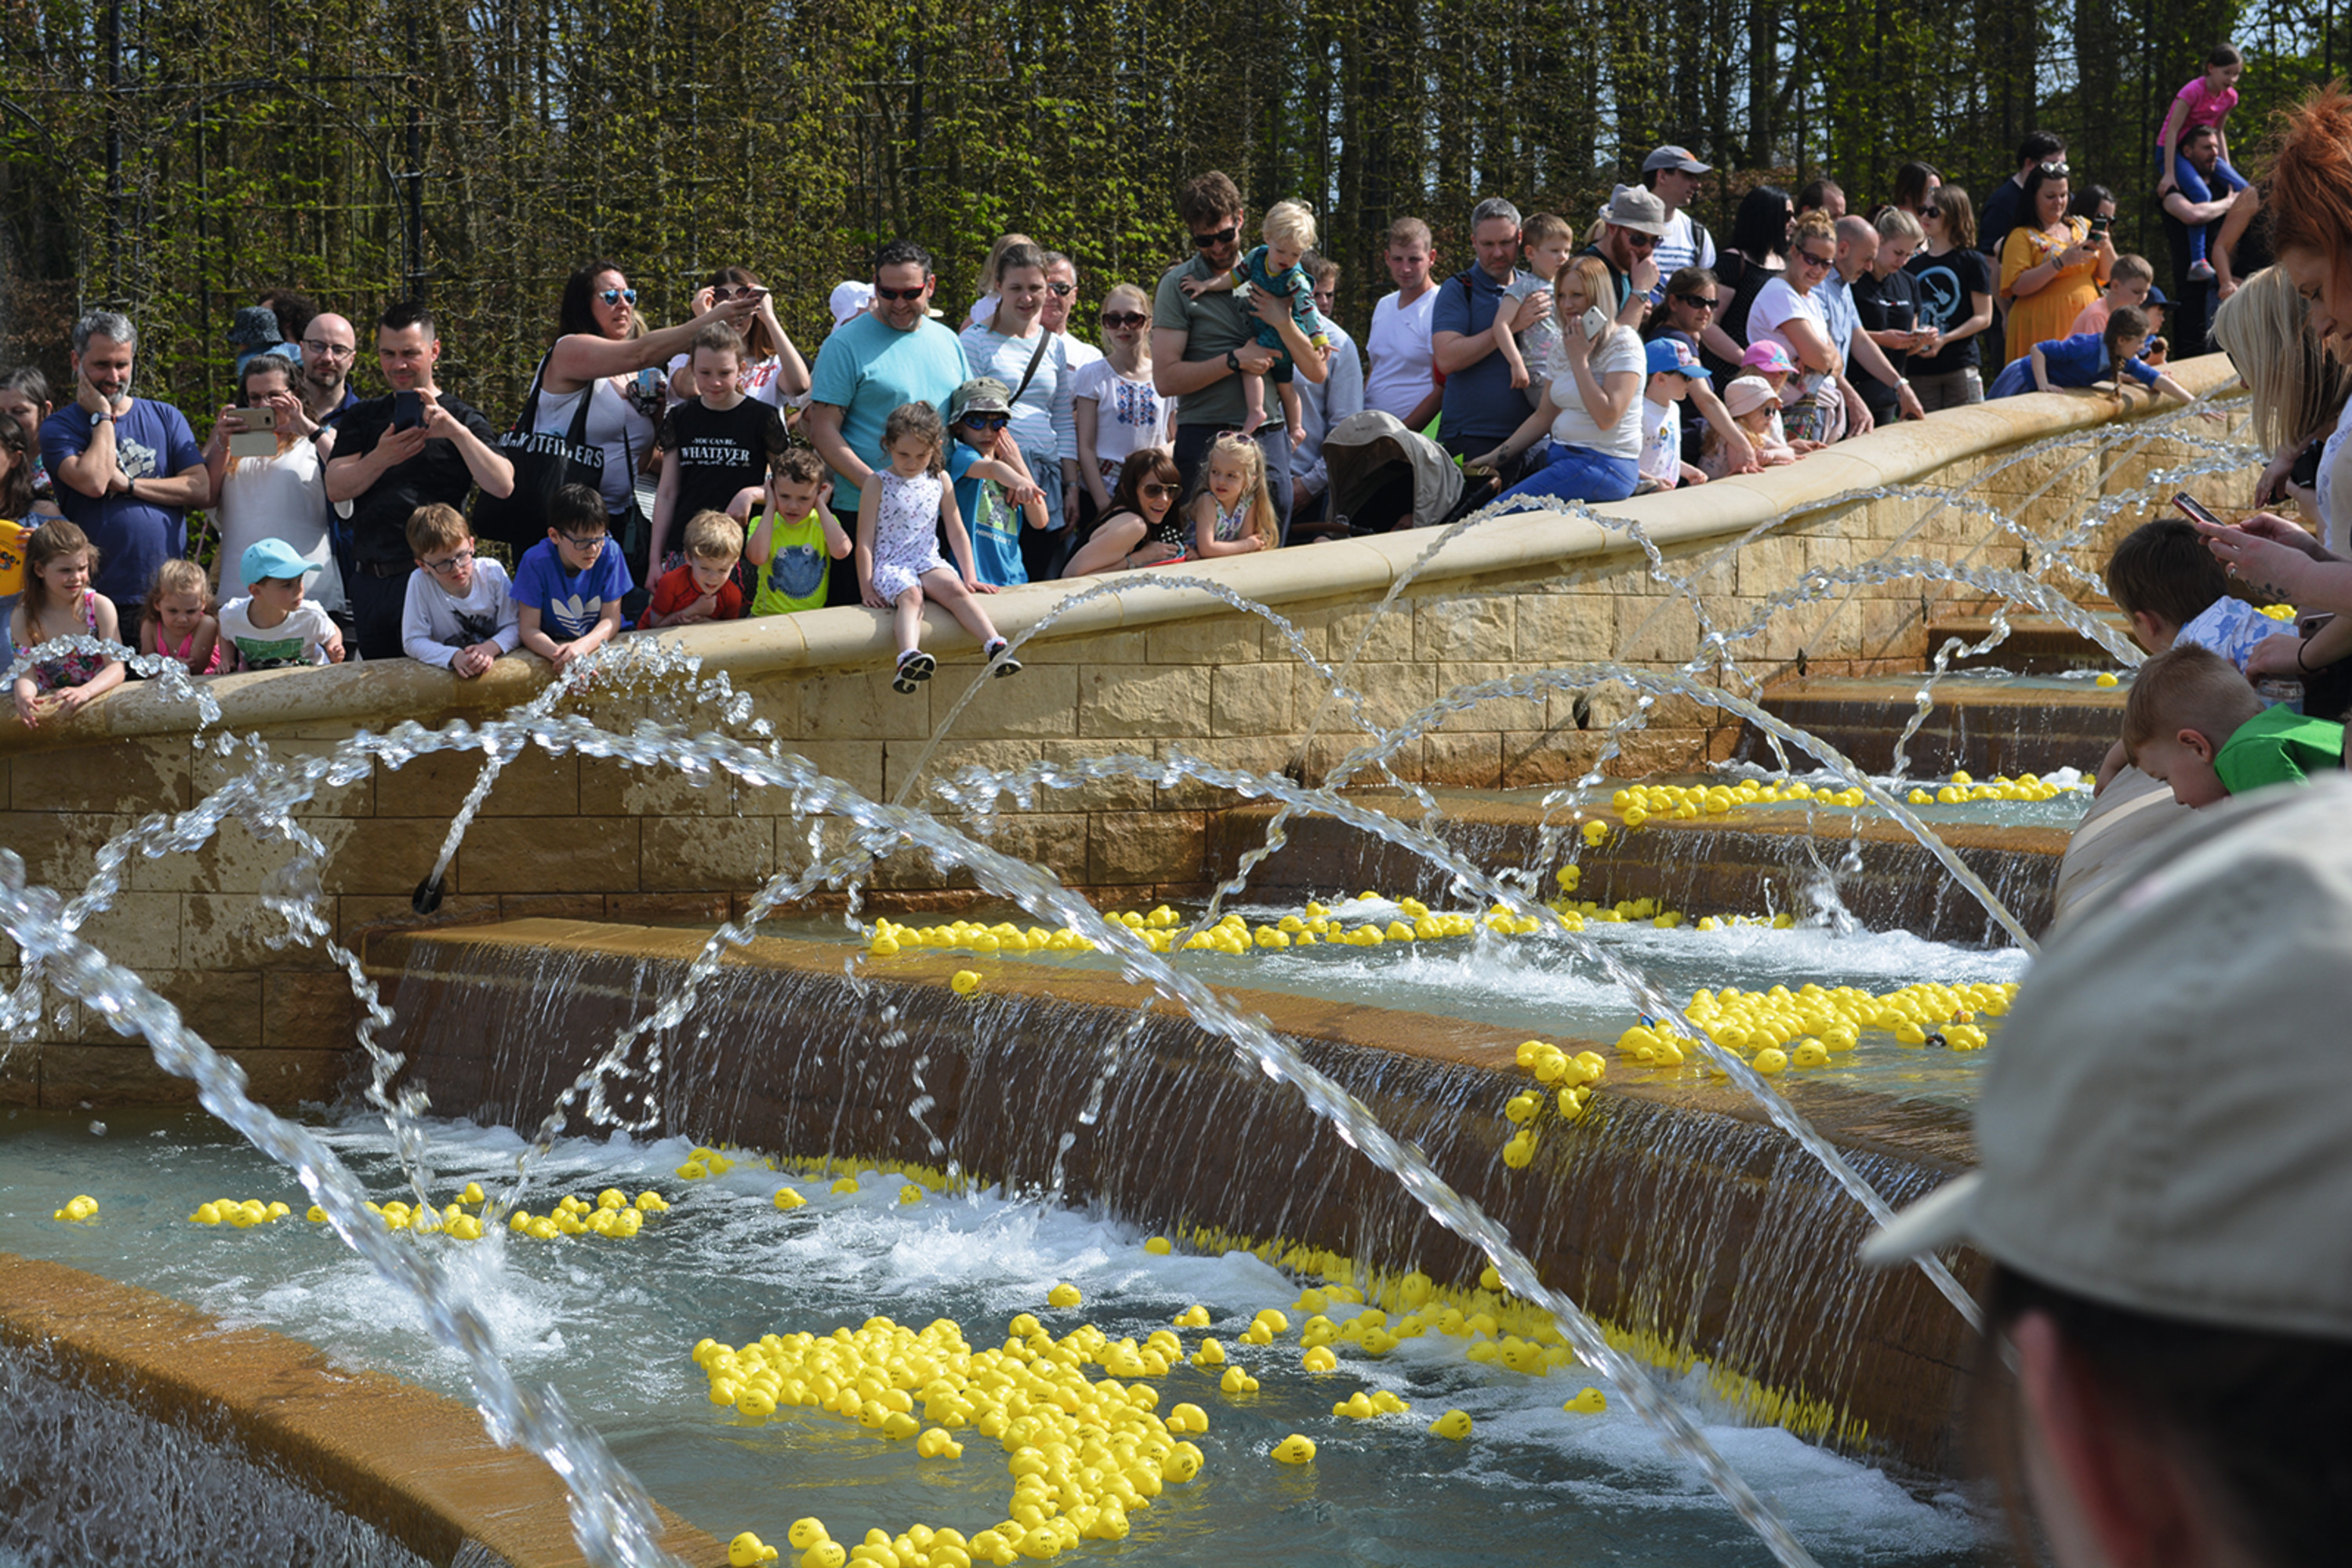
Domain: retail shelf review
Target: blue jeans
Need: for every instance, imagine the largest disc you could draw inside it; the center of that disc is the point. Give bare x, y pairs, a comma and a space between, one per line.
1579, 473
2192, 185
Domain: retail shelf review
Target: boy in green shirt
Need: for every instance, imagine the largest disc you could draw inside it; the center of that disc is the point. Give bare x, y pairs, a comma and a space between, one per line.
797, 539
2195, 724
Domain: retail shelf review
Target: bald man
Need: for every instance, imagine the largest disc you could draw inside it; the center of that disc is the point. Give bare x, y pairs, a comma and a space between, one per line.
1857, 247
329, 347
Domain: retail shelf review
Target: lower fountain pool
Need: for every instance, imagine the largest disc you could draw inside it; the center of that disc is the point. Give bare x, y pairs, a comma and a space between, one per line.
611, 1325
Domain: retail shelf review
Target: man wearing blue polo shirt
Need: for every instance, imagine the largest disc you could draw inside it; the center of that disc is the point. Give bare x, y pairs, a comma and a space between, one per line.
876, 361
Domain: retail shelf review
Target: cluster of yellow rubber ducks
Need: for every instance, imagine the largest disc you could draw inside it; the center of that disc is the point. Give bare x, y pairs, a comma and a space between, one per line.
79, 1208
1085, 1449
1161, 928
890, 939
1964, 788
1638, 804
614, 1215
244, 1213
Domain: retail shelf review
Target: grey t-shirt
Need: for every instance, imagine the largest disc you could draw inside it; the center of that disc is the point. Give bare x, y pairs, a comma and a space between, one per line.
1216, 324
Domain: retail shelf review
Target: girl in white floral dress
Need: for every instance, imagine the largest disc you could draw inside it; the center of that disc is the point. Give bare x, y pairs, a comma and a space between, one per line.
901, 516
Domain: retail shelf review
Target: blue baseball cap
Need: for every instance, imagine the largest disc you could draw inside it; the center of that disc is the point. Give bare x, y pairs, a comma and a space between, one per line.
1669, 356
270, 558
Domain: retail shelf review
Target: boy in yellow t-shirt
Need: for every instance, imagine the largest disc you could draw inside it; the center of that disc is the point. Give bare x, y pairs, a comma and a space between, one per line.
792, 550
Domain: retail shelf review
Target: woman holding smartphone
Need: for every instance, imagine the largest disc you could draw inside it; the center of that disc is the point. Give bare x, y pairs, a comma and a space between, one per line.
1592, 408
281, 495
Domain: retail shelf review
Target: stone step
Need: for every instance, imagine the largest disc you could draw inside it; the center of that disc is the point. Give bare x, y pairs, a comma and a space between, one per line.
2036, 644
1981, 727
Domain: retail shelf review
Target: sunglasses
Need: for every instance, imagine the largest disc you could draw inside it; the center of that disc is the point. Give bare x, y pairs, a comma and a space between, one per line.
1225, 236
733, 291
464, 558
914, 293
1155, 492
2058, 167
615, 296
1637, 240
986, 421
1931, 212
1124, 318
1061, 290
1697, 301
1810, 259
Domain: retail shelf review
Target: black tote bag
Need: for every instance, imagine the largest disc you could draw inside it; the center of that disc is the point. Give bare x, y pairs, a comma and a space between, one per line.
544, 462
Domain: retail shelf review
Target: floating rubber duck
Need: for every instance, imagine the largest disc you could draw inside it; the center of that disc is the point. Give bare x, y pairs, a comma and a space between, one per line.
825, 1554
1211, 1353
77, 1209
1193, 1317
692, 1171
1273, 1320
1237, 1381
846, 1186
472, 1193
2104, 678
1319, 1359
1158, 1246
650, 1202
316, 1215
747, 1549
806, 1532
965, 981
1587, 1402
1772, 1061
789, 1198
1356, 1406
910, 1194
1453, 1424
1062, 1295
1294, 1450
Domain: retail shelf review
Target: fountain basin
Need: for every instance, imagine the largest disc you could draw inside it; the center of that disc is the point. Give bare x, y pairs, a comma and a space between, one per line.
379, 1461
1671, 1209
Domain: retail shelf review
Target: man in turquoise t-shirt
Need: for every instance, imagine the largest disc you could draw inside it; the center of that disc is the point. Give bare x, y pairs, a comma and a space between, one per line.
878, 360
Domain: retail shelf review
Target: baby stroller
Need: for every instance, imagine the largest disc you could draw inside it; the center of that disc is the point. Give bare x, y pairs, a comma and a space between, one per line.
1385, 476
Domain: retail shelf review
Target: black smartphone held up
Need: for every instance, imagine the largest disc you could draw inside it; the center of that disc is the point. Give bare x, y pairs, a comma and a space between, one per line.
407, 410
2099, 226
2197, 510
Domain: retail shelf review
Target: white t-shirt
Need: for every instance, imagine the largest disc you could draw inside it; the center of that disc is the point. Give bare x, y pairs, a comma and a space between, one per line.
1403, 364
2334, 511
434, 623
300, 638
1620, 351
1679, 247
1778, 304
1662, 444
1078, 351
278, 498
1129, 414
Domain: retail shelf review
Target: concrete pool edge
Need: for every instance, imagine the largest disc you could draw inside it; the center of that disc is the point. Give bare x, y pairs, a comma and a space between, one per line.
415, 1464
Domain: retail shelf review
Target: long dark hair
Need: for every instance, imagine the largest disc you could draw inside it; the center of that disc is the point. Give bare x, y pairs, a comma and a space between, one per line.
17, 485
1760, 228
2041, 175
574, 315
1911, 185
1145, 463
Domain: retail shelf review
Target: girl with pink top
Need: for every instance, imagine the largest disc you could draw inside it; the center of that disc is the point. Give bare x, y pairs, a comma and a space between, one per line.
2206, 101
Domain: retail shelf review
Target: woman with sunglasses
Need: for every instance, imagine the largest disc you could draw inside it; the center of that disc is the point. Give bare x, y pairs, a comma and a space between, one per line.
1117, 409
1142, 525
1757, 254
1954, 288
604, 352
1013, 346
773, 371
2052, 265
1789, 312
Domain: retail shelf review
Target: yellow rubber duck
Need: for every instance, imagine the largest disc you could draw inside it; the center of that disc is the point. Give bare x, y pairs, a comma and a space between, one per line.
1453, 1424
747, 1549
1587, 1402
846, 1186
1319, 1359
1062, 1295
788, 1199
1193, 1317
1294, 1450
965, 981
1158, 1246
80, 1207
1237, 1381
473, 1193
806, 1532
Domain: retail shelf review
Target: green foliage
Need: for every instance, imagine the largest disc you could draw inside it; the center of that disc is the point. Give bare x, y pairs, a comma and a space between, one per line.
262, 143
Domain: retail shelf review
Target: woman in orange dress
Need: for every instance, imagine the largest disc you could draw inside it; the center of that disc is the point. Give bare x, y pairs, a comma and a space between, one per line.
2049, 267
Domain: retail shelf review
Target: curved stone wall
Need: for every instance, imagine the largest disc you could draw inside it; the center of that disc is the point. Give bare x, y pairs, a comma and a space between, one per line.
1140, 669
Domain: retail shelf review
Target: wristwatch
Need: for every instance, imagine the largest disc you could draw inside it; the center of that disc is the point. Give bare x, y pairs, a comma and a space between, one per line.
1233, 360
103, 416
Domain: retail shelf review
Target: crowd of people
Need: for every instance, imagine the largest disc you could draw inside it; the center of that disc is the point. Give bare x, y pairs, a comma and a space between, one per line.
734, 475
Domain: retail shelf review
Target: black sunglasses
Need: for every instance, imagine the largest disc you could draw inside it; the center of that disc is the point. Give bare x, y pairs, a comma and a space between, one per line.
1154, 492
1059, 290
914, 293
986, 421
1696, 302
1124, 318
1931, 212
1225, 236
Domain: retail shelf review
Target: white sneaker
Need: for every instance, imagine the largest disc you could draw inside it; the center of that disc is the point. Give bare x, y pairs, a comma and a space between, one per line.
2201, 272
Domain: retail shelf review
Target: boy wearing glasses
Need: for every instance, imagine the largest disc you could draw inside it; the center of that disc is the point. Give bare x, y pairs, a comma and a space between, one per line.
570, 585
993, 488
460, 613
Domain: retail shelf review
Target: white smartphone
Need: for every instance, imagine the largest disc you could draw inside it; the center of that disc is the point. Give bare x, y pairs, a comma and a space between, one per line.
1595, 323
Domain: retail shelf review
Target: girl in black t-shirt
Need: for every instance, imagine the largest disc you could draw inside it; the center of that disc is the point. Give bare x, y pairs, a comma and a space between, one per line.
1954, 286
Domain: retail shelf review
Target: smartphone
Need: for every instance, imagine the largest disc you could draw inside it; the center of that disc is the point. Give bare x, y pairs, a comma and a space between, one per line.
407, 410
2197, 510
1595, 323
253, 437
2099, 226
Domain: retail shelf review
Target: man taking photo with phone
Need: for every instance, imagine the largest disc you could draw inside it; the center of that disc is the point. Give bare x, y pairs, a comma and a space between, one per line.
412, 448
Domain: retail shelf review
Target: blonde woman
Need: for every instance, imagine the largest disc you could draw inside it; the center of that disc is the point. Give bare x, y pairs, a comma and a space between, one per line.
2299, 388
1592, 408
1117, 410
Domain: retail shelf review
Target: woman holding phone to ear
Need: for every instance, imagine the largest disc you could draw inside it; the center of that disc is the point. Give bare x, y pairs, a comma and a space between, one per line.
1593, 409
